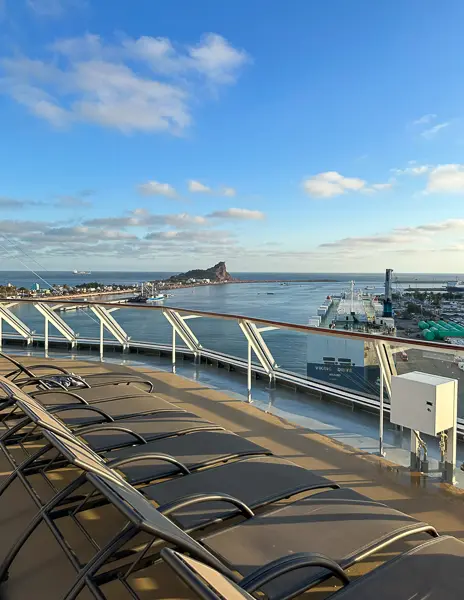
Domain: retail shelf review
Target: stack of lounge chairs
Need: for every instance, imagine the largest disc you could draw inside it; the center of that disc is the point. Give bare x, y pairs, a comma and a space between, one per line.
230, 519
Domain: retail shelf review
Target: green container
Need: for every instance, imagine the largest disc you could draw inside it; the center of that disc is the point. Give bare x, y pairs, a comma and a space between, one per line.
423, 325
428, 335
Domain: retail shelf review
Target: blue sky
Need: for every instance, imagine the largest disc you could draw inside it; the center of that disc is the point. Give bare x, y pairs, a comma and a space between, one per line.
279, 136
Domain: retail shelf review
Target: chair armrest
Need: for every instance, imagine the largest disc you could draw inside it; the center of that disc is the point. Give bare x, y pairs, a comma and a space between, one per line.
95, 409
285, 564
170, 507
96, 428
65, 392
120, 462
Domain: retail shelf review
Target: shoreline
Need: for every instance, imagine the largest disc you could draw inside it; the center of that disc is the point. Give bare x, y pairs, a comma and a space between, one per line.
173, 286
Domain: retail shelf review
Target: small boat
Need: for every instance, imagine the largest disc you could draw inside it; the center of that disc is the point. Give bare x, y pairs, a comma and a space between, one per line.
156, 298
75, 272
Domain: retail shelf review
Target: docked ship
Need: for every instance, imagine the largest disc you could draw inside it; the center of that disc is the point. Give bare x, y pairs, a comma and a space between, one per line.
455, 286
350, 363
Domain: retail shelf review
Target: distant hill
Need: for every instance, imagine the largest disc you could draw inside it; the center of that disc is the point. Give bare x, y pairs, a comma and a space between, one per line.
218, 273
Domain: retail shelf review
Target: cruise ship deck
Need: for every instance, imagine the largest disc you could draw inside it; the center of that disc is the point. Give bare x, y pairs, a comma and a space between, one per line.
42, 571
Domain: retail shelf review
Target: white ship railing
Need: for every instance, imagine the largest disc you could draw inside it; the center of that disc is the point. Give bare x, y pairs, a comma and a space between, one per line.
252, 329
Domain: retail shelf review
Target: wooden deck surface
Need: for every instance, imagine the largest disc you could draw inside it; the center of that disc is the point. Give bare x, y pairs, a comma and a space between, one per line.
41, 570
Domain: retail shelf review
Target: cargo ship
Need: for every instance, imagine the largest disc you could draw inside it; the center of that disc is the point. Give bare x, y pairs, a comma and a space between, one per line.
351, 364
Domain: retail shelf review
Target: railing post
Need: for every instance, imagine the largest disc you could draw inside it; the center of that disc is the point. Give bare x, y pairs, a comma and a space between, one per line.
173, 350
46, 337
1, 332
102, 332
249, 372
381, 447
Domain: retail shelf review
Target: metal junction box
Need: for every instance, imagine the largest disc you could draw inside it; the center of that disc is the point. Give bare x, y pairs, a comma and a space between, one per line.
424, 402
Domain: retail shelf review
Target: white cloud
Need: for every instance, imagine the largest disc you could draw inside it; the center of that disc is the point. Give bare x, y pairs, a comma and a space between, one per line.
154, 188
424, 120
380, 187
331, 184
182, 236
448, 225
86, 80
238, 213
215, 58
377, 187
398, 236
446, 179
413, 170
198, 188
432, 132
181, 220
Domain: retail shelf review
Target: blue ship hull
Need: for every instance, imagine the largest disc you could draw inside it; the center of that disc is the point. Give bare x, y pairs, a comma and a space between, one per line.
357, 379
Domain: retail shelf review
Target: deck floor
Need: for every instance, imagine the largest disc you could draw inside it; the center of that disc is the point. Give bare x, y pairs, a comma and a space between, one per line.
42, 571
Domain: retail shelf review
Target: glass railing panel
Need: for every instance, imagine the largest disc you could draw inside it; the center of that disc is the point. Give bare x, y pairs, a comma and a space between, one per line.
221, 335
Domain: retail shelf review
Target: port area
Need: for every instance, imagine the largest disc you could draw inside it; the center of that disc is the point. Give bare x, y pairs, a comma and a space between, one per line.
43, 567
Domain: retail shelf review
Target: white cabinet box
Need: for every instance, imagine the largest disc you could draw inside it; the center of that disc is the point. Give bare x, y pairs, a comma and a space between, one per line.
424, 402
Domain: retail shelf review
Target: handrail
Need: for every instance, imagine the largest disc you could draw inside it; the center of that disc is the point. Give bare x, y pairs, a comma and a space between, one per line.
419, 344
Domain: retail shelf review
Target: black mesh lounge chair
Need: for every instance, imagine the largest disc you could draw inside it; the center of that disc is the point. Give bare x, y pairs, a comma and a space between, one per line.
144, 463
257, 481
141, 516
342, 524
195, 451
84, 458
38, 374
208, 584
139, 463
261, 480
76, 415
108, 436
432, 570
101, 393
365, 540
79, 412
339, 523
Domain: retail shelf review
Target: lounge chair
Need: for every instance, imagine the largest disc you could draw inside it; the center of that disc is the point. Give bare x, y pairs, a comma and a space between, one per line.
432, 570
349, 524
142, 461
366, 536
209, 584
257, 481
101, 393
107, 436
34, 373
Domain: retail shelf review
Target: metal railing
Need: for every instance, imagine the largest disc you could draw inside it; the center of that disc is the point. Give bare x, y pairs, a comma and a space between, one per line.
185, 339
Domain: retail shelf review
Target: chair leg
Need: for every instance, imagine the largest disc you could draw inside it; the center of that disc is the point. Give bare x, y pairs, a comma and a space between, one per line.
126, 534
20, 468
5, 566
